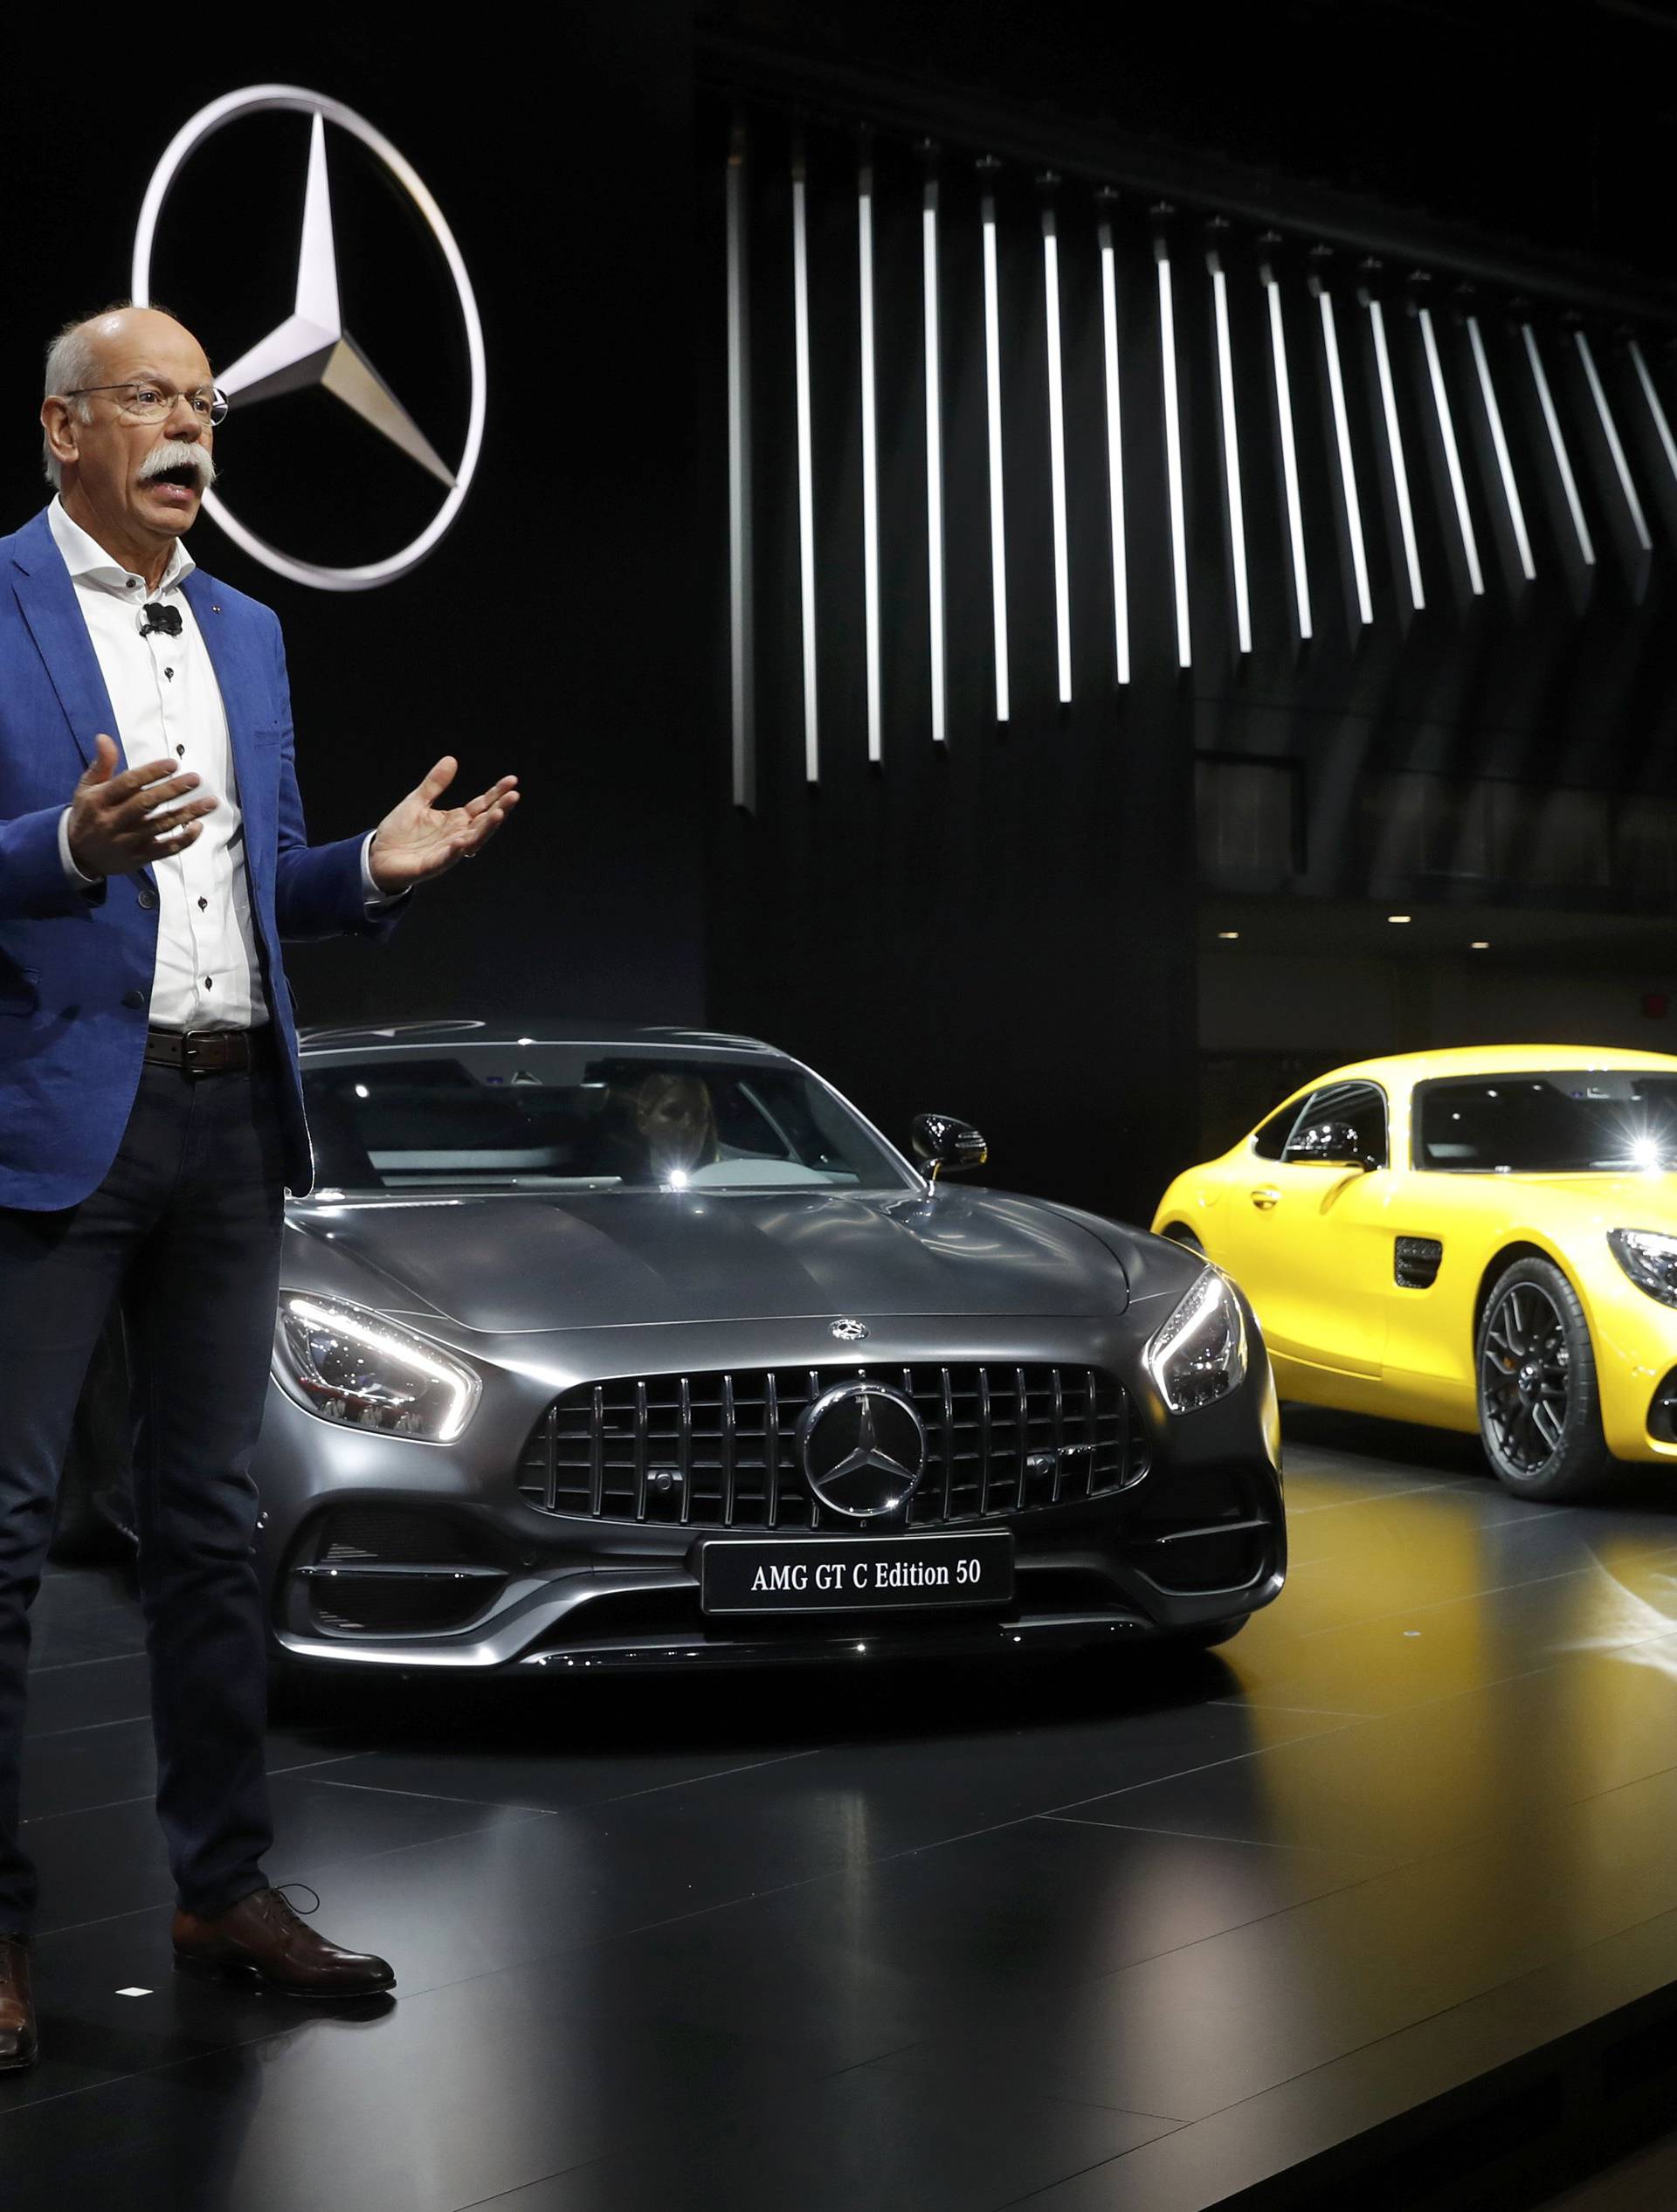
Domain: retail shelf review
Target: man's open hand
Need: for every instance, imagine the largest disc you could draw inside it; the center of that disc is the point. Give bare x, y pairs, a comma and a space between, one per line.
418, 838
115, 825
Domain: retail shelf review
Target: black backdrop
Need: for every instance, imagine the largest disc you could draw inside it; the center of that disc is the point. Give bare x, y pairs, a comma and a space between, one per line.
1009, 930
553, 630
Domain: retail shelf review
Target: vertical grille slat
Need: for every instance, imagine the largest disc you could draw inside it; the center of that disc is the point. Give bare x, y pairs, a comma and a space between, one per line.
596, 1451
949, 1441
684, 1448
983, 1439
771, 1448
730, 1450
642, 1422
719, 1451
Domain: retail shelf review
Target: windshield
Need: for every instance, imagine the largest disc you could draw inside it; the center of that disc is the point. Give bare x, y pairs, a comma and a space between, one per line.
553, 1117
1571, 1122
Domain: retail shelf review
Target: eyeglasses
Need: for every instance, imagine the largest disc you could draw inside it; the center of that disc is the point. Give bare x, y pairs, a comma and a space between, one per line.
156, 403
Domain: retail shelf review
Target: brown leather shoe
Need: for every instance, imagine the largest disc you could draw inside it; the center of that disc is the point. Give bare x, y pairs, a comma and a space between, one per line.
261, 1935
19, 2045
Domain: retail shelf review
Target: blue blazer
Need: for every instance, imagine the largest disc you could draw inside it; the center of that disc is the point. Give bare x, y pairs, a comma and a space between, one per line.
76, 968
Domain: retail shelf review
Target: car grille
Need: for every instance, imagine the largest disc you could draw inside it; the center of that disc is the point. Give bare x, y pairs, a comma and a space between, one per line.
720, 1450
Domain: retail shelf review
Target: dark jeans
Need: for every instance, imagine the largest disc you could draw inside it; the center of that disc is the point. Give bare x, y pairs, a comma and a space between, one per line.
186, 1229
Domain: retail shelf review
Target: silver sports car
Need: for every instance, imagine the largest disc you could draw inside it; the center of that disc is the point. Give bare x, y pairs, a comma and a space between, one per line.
646, 1349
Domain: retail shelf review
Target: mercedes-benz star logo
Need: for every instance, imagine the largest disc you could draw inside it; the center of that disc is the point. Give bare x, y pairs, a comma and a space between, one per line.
849, 1332
311, 345
863, 1449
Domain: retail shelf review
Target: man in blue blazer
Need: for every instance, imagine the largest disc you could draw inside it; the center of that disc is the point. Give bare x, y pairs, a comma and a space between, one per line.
152, 859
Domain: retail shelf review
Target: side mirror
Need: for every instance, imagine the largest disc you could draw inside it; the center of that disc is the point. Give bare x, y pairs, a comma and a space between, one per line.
1331, 1144
944, 1143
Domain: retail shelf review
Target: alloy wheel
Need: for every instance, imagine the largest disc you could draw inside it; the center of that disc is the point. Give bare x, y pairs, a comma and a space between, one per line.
1526, 1377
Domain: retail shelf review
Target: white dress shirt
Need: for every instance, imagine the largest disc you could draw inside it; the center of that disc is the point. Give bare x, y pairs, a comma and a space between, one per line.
167, 705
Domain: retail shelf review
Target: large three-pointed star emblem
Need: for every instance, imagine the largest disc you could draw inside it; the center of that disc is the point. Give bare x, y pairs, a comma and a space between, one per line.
863, 1449
311, 346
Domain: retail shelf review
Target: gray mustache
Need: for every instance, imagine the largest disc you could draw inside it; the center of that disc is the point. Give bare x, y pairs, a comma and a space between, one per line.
177, 453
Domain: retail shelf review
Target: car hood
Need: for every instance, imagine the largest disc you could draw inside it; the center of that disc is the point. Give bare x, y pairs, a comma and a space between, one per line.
508, 1264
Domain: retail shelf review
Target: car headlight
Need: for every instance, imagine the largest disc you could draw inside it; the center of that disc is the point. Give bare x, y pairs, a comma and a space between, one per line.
1199, 1355
351, 1365
1649, 1258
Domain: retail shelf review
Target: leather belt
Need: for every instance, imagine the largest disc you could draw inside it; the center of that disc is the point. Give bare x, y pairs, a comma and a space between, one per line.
200, 1051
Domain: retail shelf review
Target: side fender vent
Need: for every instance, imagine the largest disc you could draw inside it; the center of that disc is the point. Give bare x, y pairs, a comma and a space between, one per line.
1416, 1267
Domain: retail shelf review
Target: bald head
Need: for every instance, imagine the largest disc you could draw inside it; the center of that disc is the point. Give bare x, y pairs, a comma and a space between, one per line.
126, 440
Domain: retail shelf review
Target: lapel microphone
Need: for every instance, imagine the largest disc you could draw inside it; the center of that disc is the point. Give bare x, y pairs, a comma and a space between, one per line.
156, 616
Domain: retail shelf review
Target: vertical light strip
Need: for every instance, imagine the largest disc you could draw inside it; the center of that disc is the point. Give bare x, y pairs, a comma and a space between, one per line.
1057, 451
993, 401
740, 635
1655, 408
1114, 453
1289, 457
805, 460
1346, 460
870, 459
1494, 416
1173, 454
1638, 521
933, 463
1562, 458
1395, 447
1231, 458
1451, 457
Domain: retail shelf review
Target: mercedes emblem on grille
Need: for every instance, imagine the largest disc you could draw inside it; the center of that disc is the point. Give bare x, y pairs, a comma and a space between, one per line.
863, 1448
849, 1332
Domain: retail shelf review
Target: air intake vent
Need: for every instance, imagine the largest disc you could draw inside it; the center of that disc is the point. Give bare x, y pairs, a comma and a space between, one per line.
1417, 1264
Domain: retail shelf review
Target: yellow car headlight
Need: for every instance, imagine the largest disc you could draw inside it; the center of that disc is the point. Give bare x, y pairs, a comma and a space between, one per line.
1649, 1257
1199, 1355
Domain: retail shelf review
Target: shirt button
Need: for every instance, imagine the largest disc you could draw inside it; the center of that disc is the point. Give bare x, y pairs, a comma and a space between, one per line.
134, 1000
147, 899
209, 983
180, 752
204, 906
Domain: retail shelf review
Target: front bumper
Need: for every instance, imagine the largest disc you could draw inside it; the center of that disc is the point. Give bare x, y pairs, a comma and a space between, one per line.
473, 1578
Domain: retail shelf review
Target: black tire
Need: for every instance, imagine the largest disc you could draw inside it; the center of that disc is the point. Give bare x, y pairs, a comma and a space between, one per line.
1208, 1634
1178, 1235
1539, 1404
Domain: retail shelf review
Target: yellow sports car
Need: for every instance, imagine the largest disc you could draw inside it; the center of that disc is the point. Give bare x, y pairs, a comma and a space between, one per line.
1473, 1239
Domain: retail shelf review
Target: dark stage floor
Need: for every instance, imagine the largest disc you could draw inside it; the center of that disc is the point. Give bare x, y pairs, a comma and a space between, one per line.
940, 1941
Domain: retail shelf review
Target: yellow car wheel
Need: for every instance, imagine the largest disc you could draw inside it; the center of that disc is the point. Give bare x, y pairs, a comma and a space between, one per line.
1539, 1407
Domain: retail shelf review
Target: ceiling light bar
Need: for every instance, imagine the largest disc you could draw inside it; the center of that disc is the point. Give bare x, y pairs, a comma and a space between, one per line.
805, 460
1652, 395
1236, 506
1289, 455
1115, 450
1505, 465
1057, 451
934, 464
1173, 453
1562, 459
1638, 521
870, 457
1451, 457
1347, 462
743, 703
1395, 447
993, 402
